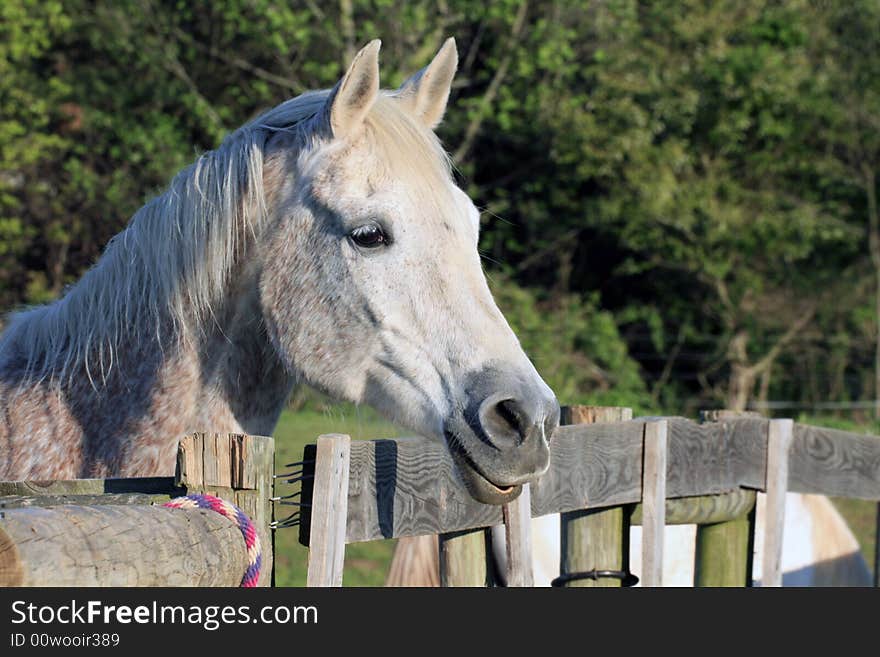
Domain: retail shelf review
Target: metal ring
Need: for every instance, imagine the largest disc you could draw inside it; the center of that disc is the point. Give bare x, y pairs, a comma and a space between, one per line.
626, 579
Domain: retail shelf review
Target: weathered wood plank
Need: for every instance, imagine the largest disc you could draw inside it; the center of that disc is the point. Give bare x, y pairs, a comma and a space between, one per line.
836, 463
518, 532
409, 486
119, 545
253, 463
23, 501
779, 441
747, 437
217, 460
329, 510
653, 503
146, 485
190, 457
237, 468
591, 465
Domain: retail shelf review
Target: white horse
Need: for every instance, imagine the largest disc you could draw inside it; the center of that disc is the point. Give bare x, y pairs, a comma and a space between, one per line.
819, 549
324, 242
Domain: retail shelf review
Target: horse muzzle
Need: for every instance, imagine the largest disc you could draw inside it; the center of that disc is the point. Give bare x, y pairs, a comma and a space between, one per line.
501, 440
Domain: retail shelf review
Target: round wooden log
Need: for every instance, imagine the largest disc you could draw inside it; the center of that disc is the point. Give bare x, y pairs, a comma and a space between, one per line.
119, 546
706, 509
722, 554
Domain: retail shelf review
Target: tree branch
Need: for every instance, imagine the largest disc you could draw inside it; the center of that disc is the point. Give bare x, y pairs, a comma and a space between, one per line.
287, 83
492, 90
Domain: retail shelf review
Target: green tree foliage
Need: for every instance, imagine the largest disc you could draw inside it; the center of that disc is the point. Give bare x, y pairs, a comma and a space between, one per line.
574, 344
677, 195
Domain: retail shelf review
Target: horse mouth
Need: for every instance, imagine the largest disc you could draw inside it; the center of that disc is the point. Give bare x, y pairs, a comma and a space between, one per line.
478, 485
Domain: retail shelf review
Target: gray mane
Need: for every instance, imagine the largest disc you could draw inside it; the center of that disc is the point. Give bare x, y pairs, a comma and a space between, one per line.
169, 264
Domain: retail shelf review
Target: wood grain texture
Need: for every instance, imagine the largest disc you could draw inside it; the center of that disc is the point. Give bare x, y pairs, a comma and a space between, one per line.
835, 463
22, 501
591, 466
779, 440
653, 503
329, 510
518, 545
253, 463
119, 545
146, 485
409, 486
237, 468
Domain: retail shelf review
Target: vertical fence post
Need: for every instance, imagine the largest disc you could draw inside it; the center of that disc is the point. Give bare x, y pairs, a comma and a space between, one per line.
594, 539
653, 502
518, 532
723, 550
463, 558
778, 442
239, 469
329, 510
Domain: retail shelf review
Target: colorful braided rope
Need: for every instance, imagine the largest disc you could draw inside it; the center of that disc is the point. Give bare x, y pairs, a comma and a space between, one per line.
236, 515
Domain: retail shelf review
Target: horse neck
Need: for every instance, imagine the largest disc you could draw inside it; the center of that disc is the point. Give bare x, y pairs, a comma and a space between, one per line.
169, 377
243, 384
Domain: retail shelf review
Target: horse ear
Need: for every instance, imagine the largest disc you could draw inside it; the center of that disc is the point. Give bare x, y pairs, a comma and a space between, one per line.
355, 93
427, 92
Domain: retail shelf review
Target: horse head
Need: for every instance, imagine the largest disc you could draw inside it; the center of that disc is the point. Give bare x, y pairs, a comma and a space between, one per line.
372, 287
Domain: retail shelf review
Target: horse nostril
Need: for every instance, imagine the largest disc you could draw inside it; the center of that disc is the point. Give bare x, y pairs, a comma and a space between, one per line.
504, 422
507, 410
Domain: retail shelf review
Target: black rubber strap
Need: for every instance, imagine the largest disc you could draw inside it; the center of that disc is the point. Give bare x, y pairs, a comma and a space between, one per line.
626, 579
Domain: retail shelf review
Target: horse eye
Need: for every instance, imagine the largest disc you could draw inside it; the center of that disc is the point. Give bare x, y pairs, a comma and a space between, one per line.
369, 236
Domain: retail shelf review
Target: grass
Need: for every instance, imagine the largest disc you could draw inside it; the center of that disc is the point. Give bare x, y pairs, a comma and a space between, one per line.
366, 564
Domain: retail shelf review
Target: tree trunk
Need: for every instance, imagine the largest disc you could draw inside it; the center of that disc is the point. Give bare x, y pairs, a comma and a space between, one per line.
742, 376
764, 390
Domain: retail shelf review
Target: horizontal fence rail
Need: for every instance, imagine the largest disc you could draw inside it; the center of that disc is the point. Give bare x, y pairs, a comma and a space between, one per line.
408, 486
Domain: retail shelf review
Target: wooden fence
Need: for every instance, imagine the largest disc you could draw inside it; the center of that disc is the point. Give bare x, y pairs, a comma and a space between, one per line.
603, 476
114, 532
607, 471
